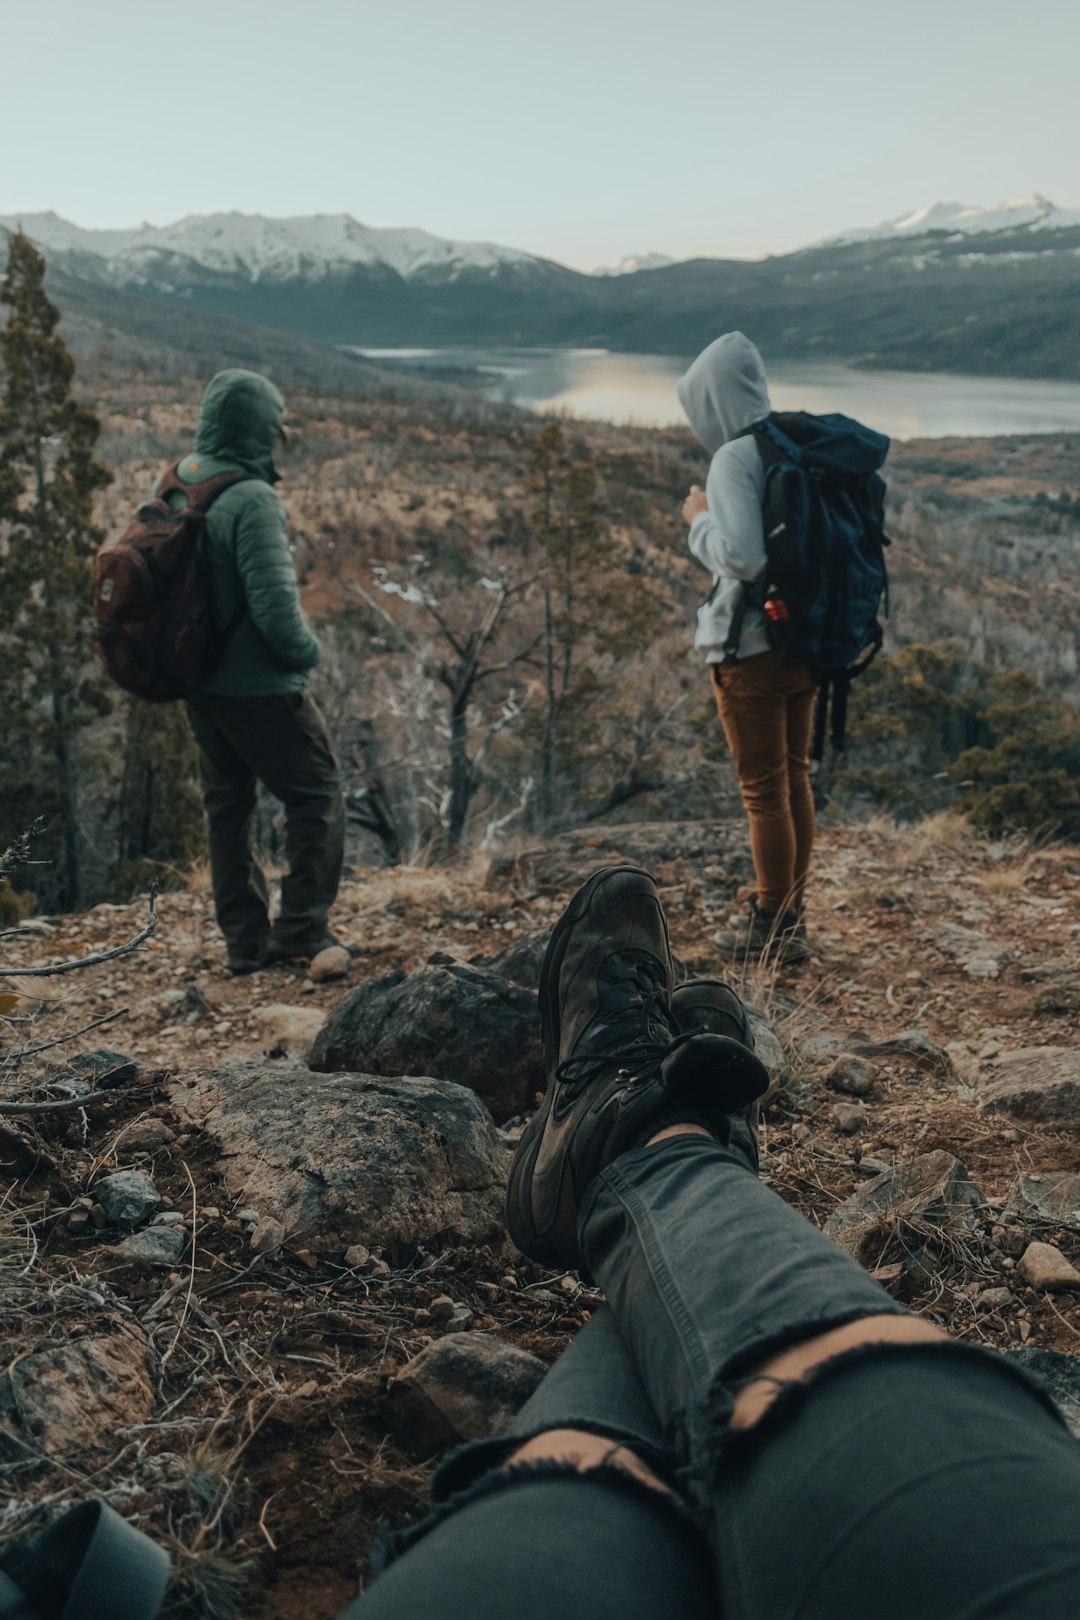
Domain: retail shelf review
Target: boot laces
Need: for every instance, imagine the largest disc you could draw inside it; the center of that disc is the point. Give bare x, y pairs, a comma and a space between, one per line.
640, 1036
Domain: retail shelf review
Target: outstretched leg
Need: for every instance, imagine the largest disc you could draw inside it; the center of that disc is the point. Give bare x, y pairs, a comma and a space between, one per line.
567, 1514
840, 1453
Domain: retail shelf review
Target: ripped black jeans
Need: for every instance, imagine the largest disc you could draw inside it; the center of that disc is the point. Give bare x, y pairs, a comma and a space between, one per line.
931, 1480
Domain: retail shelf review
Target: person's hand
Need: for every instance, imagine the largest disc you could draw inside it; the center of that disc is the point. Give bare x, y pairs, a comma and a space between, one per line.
694, 503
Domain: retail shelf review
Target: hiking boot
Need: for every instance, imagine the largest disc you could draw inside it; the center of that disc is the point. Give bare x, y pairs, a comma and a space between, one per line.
239, 965
295, 950
710, 1006
612, 1053
767, 936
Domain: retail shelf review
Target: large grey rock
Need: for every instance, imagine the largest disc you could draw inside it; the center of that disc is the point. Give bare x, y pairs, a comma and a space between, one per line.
933, 1190
1035, 1082
1052, 1195
74, 1397
461, 1387
459, 1023
129, 1198
352, 1158
519, 962
1059, 1375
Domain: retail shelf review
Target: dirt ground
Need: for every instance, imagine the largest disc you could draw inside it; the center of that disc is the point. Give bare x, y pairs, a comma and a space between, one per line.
264, 1457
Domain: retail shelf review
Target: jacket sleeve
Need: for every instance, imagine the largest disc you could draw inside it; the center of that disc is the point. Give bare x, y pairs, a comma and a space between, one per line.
268, 577
729, 539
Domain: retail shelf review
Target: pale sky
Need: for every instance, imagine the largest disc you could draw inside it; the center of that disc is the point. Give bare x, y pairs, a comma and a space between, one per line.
578, 129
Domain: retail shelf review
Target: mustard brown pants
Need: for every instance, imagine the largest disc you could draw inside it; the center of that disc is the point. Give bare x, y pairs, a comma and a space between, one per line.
767, 710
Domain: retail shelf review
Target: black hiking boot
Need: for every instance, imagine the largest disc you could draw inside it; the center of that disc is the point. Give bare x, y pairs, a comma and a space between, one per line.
766, 936
297, 950
612, 1053
709, 1006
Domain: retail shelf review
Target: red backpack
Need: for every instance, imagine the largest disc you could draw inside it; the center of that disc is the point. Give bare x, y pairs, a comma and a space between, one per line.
154, 616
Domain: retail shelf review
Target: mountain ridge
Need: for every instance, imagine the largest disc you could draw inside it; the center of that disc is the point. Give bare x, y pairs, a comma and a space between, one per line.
1002, 301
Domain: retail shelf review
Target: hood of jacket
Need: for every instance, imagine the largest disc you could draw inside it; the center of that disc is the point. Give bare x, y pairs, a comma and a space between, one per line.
724, 390
239, 425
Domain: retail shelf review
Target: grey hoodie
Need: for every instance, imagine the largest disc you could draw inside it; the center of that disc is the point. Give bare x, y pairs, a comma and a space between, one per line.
723, 392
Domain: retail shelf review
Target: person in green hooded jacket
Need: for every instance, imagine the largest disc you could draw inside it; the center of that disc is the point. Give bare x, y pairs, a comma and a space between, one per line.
253, 720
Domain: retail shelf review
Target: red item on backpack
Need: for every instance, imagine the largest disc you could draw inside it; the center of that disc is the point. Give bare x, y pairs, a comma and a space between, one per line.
156, 631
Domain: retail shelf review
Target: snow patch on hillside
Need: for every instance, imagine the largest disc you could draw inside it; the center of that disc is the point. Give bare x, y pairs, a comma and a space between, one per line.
634, 262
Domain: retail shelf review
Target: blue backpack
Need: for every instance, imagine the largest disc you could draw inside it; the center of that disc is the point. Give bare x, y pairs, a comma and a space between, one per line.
823, 583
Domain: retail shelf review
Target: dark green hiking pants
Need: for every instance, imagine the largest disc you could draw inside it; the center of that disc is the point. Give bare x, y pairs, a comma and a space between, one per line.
282, 742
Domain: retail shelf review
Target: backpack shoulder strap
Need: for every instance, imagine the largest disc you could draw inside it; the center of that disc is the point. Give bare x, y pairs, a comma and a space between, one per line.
201, 496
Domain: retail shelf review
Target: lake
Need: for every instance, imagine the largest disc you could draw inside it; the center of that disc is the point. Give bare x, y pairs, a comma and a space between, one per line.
641, 388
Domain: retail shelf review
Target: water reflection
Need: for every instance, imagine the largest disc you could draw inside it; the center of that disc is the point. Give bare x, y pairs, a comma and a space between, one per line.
640, 388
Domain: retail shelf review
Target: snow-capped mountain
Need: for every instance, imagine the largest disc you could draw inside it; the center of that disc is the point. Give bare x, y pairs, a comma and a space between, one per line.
946, 288
255, 248
955, 219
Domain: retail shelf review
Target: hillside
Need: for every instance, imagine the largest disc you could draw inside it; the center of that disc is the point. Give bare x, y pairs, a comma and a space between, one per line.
239, 1400
992, 292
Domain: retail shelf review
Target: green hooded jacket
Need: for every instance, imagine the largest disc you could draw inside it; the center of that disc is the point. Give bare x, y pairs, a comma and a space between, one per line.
251, 567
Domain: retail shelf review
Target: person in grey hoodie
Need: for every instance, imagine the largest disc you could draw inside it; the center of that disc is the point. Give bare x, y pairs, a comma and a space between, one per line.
766, 704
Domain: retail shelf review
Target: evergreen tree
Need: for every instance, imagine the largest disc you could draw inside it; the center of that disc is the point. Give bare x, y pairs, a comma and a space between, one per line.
160, 824
48, 478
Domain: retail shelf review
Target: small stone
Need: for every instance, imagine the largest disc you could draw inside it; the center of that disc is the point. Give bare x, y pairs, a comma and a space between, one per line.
78, 1220
508, 1280
460, 1387
849, 1118
357, 1257
168, 1217
288, 1030
442, 1308
1045, 1268
210, 1213
98, 1216
912, 1046
460, 1317
129, 1197
992, 1299
379, 1268
1013, 1241
145, 1135
268, 1236
333, 963
853, 1075
306, 1258
157, 1246
248, 1217
889, 1276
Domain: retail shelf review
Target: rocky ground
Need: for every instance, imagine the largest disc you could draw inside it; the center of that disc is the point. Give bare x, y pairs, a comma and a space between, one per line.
216, 1276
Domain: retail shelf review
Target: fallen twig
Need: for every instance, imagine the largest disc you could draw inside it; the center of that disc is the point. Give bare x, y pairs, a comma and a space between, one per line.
95, 957
63, 1040
65, 1102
